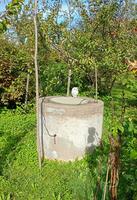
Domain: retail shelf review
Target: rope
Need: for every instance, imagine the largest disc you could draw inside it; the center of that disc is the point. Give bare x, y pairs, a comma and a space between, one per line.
44, 122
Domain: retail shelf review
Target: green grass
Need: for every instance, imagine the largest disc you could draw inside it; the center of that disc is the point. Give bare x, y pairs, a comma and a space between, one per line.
20, 176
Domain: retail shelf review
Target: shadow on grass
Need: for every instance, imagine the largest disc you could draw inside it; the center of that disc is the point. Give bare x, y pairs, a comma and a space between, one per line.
10, 148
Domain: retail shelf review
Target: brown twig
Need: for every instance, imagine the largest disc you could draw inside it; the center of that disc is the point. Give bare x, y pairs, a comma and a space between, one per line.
105, 187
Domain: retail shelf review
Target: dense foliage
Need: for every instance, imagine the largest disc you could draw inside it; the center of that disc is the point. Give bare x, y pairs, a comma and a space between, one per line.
82, 37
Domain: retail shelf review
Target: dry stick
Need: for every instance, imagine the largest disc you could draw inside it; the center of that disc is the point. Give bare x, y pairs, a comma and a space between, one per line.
98, 180
105, 187
69, 80
37, 83
69, 71
27, 89
96, 84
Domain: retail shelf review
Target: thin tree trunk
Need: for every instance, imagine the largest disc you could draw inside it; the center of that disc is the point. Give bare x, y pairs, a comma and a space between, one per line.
37, 85
69, 80
114, 162
27, 89
69, 72
96, 84
114, 175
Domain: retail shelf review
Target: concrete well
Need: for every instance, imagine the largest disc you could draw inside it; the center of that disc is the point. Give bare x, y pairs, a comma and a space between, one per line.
70, 126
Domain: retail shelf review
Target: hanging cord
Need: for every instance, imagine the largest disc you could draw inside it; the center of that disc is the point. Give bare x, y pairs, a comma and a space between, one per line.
44, 121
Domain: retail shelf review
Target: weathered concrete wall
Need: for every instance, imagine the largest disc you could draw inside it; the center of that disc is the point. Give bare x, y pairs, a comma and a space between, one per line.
78, 128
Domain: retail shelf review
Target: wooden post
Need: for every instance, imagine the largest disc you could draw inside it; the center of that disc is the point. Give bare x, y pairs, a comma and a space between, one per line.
69, 80
27, 89
39, 145
96, 85
69, 71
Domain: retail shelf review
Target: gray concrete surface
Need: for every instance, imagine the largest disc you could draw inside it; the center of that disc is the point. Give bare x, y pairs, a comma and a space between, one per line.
76, 122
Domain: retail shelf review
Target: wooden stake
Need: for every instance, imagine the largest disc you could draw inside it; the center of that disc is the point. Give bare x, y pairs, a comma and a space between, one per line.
105, 187
37, 84
69, 71
27, 89
69, 80
96, 84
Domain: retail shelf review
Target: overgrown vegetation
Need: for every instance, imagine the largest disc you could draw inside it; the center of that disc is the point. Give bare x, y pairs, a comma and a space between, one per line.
85, 36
